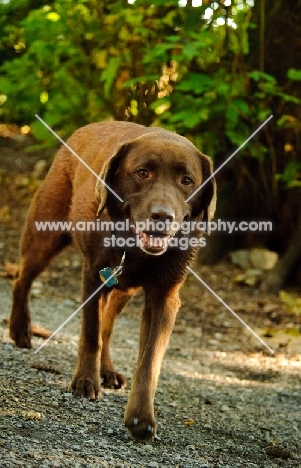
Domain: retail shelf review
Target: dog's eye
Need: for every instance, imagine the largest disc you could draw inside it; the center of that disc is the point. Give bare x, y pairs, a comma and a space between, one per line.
142, 173
186, 181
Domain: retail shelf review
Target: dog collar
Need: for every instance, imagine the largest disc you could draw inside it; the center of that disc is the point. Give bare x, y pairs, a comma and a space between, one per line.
121, 251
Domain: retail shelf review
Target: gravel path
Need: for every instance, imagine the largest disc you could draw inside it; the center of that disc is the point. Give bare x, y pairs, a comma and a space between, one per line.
222, 401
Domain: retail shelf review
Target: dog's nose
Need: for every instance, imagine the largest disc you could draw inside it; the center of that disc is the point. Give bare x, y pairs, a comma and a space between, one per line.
162, 213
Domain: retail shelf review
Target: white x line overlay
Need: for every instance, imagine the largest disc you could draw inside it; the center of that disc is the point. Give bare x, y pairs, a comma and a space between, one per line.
188, 268
77, 310
230, 157
229, 308
78, 157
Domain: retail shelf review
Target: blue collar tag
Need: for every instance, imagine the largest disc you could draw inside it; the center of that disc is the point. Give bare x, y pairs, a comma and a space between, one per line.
107, 272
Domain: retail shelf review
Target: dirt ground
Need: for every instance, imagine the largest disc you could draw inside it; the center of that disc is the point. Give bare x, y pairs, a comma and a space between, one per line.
223, 400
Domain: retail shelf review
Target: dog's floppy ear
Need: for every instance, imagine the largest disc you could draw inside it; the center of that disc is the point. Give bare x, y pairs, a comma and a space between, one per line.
205, 200
111, 165
106, 175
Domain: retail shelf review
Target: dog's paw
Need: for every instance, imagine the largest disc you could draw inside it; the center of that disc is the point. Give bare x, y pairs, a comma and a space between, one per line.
22, 338
111, 379
141, 428
85, 387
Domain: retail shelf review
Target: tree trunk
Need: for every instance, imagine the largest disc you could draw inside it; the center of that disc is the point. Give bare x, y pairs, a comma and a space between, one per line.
287, 265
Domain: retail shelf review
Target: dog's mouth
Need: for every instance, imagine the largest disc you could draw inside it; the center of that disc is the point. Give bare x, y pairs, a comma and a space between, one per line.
152, 242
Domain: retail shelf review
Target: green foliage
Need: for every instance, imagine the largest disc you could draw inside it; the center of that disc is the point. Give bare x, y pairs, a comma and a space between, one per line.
291, 175
152, 62
71, 61
294, 74
292, 303
76, 62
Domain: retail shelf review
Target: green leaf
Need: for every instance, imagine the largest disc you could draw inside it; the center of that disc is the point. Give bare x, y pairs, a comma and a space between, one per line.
263, 114
53, 16
44, 97
196, 83
190, 51
242, 106
291, 172
294, 74
188, 118
109, 75
222, 88
290, 98
235, 137
257, 75
287, 121
231, 116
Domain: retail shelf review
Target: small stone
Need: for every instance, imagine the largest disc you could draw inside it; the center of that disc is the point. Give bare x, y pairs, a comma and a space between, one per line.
8, 346
241, 258
110, 431
77, 448
208, 427
153, 465
218, 335
68, 303
90, 442
213, 342
227, 324
37, 287
225, 408
132, 343
263, 258
148, 447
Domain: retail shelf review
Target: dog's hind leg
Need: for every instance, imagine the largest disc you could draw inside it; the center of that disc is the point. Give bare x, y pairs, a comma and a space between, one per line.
111, 307
38, 247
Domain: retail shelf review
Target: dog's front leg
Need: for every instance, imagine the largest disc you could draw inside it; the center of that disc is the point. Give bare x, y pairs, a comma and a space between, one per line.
157, 323
86, 379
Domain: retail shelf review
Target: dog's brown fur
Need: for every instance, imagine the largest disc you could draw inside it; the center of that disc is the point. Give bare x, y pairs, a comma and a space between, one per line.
117, 151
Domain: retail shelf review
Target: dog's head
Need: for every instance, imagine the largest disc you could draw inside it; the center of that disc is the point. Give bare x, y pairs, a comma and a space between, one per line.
155, 174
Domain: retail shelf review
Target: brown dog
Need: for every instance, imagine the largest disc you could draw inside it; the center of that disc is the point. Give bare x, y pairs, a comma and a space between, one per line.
153, 171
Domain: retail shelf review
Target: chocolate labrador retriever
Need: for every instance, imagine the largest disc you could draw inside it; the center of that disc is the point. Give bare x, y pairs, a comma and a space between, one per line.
145, 174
